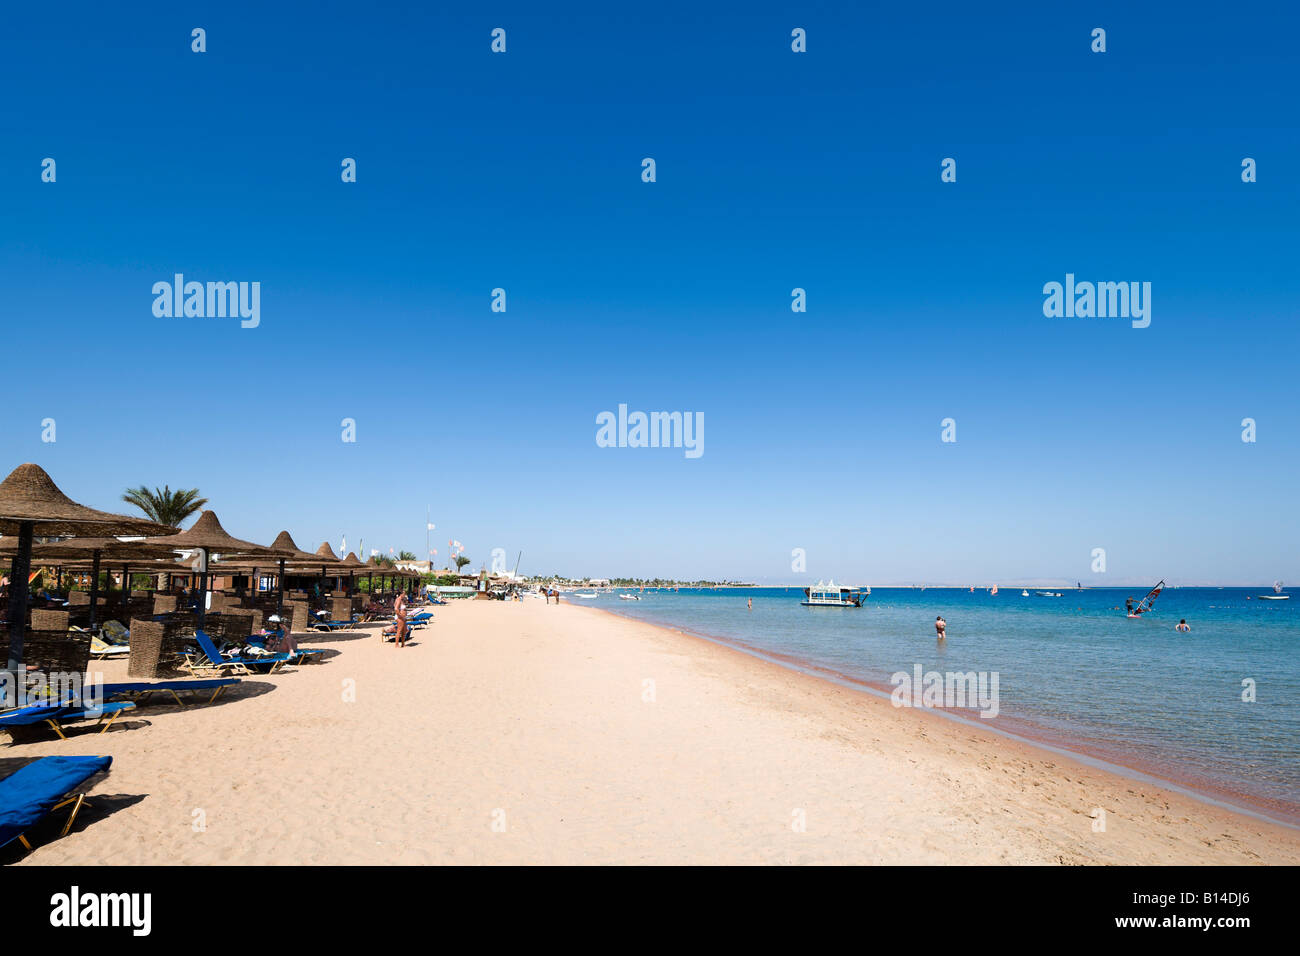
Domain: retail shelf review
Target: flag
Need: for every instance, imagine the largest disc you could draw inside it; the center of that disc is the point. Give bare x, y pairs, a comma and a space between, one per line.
343, 547
431, 526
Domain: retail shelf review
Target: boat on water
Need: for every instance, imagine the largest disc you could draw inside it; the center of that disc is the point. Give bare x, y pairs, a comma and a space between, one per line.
831, 594
1277, 594
1049, 593
585, 596
630, 597
1024, 594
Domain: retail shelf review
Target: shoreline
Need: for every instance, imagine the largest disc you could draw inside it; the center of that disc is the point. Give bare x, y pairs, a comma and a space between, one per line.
1023, 731
524, 733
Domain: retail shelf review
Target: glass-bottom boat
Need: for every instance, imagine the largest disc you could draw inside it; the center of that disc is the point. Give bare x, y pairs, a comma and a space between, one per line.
833, 595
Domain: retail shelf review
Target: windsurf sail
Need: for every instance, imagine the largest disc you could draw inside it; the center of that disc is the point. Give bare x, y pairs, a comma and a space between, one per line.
1145, 604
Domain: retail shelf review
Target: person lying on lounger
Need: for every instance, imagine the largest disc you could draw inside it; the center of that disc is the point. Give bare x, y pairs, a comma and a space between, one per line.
274, 638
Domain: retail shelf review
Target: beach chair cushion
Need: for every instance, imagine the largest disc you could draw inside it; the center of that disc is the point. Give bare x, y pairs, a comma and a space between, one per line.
27, 795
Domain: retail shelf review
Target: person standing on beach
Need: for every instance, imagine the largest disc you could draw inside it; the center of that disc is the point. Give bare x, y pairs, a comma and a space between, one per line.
940, 626
399, 611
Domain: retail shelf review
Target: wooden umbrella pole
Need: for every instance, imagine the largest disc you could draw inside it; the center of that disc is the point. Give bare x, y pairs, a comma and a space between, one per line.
94, 586
22, 565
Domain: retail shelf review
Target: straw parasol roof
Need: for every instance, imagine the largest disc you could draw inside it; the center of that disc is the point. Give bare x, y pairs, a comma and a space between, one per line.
325, 556
352, 562
282, 548
297, 555
110, 550
30, 495
208, 534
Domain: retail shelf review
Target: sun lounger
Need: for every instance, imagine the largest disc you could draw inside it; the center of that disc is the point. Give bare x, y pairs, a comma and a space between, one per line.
209, 660
335, 625
102, 650
55, 715
38, 789
141, 691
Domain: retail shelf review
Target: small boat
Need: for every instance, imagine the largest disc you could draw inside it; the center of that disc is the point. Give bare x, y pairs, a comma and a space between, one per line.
1277, 594
832, 595
1049, 593
1024, 594
629, 597
585, 596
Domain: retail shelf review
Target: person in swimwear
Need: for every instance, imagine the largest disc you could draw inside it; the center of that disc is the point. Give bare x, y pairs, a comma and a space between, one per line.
399, 611
940, 626
1182, 626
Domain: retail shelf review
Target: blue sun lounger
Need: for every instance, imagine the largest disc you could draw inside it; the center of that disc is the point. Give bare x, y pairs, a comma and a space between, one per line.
211, 660
29, 795
54, 715
140, 692
335, 625
263, 664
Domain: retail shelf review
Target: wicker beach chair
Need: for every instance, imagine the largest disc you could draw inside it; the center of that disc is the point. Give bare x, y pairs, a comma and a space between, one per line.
43, 620
56, 652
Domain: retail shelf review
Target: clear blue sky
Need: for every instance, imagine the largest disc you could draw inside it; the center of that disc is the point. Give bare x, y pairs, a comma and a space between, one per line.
775, 170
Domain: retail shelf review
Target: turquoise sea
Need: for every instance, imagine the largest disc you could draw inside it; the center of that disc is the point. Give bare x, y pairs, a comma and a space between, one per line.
1074, 671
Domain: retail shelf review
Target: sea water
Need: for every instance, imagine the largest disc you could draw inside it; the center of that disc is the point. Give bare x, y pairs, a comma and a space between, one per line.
1073, 671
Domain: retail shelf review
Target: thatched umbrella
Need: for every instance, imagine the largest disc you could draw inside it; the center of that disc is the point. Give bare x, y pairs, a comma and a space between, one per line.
112, 550
287, 553
207, 537
296, 555
375, 566
31, 502
351, 564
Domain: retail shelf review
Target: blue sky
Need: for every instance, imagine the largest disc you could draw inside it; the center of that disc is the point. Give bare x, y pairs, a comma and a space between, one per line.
775, 170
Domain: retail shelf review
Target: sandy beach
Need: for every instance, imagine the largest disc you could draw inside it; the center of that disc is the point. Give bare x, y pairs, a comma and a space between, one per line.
542, 734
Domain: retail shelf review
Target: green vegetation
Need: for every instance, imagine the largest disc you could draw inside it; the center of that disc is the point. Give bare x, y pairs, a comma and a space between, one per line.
164, 505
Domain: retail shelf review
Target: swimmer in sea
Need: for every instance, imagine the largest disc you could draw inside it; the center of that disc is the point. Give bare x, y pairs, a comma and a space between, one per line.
940, 626
1182, 626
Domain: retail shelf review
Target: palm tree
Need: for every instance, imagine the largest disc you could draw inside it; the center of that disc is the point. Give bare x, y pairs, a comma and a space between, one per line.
461, 561
164, 505
405, 556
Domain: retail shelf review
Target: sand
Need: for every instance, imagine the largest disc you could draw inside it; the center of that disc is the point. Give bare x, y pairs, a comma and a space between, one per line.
534, 733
